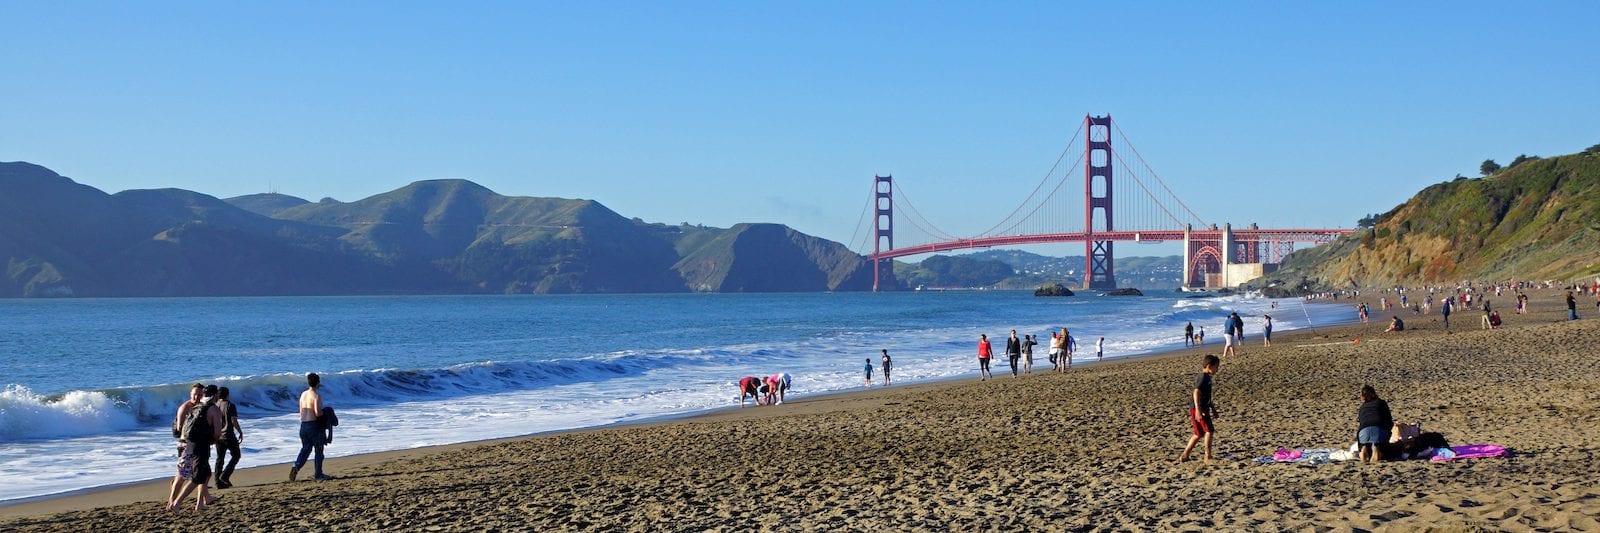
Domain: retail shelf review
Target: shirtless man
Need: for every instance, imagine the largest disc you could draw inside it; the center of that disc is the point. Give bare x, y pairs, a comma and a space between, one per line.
311, 430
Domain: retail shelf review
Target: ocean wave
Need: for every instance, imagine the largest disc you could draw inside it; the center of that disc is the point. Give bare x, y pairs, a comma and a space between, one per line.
25, 415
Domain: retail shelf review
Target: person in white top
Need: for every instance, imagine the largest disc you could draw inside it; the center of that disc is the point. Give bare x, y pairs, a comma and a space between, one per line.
1099, 348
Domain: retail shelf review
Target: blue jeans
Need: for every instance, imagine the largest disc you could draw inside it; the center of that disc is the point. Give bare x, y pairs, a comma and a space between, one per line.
310, 439
1372, 435
1572, 314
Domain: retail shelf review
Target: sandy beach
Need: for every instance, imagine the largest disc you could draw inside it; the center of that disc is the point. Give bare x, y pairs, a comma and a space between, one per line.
1086, 450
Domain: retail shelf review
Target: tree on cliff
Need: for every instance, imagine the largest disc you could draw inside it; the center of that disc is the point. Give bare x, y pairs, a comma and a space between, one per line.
1489, 167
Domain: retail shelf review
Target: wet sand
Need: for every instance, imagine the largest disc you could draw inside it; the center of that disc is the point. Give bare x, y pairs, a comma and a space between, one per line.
1088, 449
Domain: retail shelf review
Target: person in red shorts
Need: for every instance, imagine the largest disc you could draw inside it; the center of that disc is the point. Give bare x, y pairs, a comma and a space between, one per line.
1202, 412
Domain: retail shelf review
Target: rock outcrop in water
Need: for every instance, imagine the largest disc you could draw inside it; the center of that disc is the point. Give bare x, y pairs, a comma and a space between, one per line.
60, 238
1053, 289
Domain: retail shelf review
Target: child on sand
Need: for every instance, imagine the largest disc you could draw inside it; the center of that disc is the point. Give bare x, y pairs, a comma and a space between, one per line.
869, 373
1202, 411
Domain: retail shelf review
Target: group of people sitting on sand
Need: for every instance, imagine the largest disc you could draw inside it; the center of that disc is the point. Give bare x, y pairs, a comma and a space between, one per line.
766, 391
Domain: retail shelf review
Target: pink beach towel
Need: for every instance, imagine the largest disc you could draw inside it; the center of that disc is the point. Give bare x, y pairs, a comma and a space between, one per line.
1470, 451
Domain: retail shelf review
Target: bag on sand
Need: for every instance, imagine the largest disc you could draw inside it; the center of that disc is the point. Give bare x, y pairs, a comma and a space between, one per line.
1404, 433
197, 428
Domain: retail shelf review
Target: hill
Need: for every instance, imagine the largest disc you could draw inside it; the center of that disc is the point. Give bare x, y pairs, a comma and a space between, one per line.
266, 204
771, 258
1536, 220
1027, 270
62, 238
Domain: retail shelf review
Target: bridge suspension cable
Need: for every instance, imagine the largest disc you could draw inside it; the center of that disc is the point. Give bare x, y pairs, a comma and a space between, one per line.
1047, 176
1145, 165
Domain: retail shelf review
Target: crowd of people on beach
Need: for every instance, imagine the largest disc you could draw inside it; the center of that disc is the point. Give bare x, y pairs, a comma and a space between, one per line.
209, 419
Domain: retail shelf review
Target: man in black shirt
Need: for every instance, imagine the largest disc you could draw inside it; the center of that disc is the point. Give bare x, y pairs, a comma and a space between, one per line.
1014, 351
232, 435
1202, 412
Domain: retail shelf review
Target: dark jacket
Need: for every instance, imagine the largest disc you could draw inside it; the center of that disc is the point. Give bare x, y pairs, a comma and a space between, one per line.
1375, 414
1013, 346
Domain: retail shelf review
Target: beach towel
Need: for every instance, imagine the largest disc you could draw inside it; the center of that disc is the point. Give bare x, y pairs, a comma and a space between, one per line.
1470, 451
1312, 456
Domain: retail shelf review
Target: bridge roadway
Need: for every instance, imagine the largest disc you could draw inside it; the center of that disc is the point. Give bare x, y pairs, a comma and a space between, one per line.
1318, 236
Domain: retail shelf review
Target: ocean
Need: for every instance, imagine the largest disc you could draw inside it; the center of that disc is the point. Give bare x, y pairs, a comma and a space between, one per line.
90, 385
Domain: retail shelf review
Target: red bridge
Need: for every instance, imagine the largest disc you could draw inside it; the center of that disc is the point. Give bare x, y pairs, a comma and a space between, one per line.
1213, 257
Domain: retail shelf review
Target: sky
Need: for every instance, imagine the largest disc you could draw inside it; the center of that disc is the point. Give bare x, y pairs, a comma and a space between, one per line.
716, 113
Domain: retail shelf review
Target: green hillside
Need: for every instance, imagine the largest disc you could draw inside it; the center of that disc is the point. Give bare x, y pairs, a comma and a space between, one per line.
1536, 220
770, 258
60, 238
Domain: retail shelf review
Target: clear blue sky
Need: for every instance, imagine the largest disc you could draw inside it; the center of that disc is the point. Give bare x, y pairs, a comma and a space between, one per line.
718, 113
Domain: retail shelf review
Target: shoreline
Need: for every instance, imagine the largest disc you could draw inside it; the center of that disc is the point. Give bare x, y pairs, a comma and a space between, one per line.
942, 454
146, 490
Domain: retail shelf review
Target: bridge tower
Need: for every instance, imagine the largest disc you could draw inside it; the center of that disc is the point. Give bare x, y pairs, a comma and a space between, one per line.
1099, 273
882, 223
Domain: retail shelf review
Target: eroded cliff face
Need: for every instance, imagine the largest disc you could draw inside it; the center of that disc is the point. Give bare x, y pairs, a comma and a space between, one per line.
1539, 220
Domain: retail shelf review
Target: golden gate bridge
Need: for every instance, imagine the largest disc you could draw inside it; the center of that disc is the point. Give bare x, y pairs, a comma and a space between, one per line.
1145, 210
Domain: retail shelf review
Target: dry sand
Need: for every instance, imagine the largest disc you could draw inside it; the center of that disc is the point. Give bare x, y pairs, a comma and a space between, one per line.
1090, 449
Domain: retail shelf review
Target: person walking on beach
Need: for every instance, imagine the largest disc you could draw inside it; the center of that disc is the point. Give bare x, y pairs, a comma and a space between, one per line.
1014, 352
228, 443
1572, 307
201, 429
185, 459
1373, 421
1055, 352
1238, 329
887, 364
1099, 348
984, 353
1448, 304
1266, 331
1227, 340
1068, 345
1028, 343
311, 431
1200, 335
869, 373
1188, 334
1202, 410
